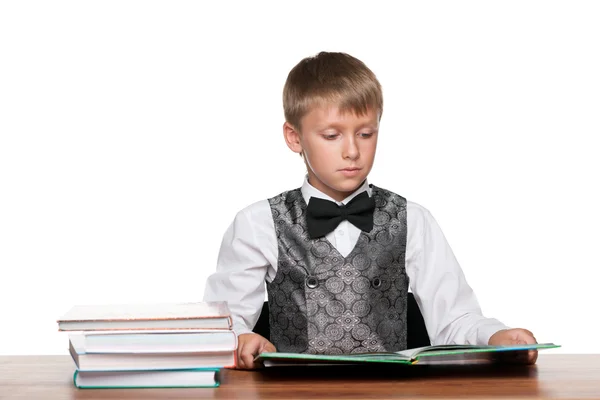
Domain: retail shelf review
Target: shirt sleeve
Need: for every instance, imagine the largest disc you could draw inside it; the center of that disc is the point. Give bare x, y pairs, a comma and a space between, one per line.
449, 306
242, 268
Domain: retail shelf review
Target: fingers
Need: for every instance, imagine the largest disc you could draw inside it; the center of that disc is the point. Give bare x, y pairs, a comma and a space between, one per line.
265, 347
517, 336
514, 336
513, 357
268, 347
519, 357
527, 332
532, 356
247, 358
249, 346
527, 337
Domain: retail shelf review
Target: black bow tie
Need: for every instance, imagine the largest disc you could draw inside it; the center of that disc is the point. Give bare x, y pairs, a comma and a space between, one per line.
323, 216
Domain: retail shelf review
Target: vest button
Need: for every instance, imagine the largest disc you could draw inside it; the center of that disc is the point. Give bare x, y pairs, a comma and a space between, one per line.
376, 282
312, 282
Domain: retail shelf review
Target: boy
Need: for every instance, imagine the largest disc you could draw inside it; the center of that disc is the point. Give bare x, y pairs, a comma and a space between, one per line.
338, 254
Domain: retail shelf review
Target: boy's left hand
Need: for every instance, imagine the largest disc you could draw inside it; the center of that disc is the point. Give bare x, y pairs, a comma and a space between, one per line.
516, 336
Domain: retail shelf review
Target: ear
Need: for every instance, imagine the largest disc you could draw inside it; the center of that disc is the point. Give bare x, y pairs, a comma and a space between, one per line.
292, 138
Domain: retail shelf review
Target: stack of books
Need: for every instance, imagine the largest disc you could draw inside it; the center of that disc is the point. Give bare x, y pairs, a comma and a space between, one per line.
150, 345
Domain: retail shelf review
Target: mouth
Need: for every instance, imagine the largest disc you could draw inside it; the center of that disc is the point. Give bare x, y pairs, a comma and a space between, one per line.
350, 172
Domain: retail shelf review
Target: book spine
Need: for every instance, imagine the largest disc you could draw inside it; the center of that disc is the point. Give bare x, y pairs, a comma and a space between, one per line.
75, 378
235, 362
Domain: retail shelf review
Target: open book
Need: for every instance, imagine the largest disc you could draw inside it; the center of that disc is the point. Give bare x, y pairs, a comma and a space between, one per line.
441, 354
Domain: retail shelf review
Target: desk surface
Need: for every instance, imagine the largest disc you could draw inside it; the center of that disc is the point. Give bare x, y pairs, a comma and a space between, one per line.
554, 376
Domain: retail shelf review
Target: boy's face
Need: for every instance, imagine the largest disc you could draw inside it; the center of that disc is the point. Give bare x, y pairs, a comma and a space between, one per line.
338, 149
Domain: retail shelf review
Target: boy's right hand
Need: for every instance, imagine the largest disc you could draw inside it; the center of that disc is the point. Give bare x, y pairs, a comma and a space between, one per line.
249, 346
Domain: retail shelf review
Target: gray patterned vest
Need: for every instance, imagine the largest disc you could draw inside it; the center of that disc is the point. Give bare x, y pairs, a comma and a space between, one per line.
323, 303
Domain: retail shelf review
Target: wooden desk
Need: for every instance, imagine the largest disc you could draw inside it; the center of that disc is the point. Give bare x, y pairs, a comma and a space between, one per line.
554, 376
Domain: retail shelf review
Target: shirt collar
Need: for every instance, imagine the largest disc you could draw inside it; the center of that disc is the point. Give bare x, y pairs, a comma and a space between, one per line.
309, 191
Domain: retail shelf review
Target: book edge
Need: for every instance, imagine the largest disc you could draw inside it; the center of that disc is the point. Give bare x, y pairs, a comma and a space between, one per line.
216, 371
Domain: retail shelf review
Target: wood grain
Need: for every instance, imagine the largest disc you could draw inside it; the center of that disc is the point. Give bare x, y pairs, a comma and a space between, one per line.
554, 376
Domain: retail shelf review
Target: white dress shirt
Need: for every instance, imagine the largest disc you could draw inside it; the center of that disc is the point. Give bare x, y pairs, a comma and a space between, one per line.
249, 254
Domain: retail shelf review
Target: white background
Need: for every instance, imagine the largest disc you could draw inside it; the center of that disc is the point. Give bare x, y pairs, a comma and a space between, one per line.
132, 132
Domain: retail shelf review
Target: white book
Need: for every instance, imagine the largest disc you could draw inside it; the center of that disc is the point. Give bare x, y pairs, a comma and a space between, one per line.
145, 361
201, 315
147, 379
213, 340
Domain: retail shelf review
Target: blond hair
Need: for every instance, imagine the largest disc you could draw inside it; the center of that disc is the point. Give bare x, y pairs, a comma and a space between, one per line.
330, 78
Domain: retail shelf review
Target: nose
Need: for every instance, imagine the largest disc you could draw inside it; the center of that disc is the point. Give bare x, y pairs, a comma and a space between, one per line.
350, 148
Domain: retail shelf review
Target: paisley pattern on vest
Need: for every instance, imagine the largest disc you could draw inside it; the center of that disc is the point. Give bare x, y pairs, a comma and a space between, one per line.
323, 303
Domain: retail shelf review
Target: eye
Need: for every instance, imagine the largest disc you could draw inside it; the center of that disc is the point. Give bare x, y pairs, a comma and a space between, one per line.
366, 134
330, 136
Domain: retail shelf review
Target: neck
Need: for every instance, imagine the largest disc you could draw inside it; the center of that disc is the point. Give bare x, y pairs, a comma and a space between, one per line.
337, 195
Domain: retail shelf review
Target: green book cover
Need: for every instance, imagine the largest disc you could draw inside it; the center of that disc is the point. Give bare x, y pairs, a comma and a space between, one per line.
440, 354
